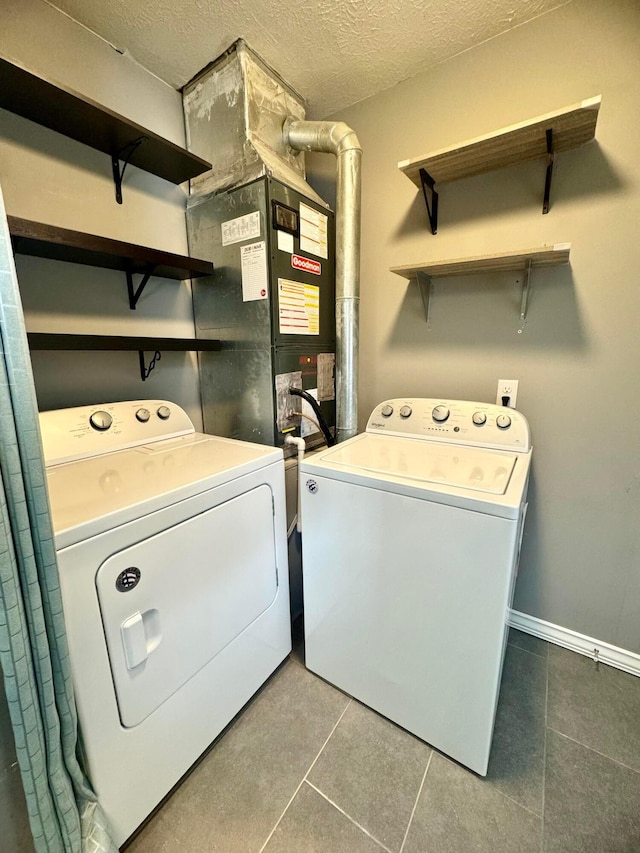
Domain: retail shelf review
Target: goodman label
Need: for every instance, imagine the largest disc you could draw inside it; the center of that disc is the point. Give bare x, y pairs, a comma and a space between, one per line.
306, 264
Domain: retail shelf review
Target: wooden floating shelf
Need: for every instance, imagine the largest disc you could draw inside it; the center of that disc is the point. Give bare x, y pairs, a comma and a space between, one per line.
522, 261
62, 244
62, 109
46, 341
571, 127
504, 261
543, 136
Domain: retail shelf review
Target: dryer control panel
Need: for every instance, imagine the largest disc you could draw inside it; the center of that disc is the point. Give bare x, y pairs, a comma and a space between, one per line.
71, 434
452, 422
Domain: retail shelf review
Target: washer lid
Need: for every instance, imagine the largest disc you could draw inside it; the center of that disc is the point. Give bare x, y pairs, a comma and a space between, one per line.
493, 482
462, 467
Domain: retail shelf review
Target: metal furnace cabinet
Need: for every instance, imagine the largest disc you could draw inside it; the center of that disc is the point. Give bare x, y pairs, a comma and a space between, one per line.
271, 301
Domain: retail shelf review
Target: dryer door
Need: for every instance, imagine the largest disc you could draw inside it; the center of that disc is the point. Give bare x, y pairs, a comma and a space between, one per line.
170, 603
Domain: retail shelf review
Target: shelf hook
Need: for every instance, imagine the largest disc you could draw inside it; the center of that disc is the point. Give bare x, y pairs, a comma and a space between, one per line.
547, 182
430, 199
145, 371
125, 154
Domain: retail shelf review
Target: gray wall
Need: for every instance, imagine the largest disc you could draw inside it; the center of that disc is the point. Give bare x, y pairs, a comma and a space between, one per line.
578, 359
49, 178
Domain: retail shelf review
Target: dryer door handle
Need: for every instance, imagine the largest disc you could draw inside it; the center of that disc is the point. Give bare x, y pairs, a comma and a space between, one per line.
141, 635
134, 640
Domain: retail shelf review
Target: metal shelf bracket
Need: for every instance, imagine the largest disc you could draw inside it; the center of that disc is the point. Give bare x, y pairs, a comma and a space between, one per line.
145, 371
425, 286
526, 289
136, 293
547, 181
125, 154
430, 199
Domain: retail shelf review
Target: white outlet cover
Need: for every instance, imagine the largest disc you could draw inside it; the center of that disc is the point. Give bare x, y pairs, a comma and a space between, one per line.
507, 388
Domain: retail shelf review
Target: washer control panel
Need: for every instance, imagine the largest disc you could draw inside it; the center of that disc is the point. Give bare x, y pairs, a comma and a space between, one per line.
70, 434
453, 422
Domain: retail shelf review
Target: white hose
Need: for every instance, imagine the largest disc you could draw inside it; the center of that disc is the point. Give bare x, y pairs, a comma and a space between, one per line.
299, 443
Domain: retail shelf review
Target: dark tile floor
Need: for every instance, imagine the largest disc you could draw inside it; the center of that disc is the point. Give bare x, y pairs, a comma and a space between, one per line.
305, 769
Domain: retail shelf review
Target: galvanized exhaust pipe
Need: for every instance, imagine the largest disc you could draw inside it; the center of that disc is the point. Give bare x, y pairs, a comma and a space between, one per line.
339, 139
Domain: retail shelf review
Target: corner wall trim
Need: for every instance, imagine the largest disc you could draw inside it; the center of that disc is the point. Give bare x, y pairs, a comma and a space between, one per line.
580, 643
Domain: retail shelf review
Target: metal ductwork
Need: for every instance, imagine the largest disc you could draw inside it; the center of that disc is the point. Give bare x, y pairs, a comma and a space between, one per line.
339, 139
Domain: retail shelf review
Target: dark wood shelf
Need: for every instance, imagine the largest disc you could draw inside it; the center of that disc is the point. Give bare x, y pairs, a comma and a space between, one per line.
62, 244
61, 109
46, 341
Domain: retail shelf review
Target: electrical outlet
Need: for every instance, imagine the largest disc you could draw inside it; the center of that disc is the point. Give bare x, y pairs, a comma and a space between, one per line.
507, 388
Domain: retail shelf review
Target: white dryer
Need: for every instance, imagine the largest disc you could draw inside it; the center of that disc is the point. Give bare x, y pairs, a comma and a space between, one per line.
172, 554
411, 537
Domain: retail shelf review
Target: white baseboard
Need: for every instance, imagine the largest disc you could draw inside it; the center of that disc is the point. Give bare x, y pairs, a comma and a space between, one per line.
568, 639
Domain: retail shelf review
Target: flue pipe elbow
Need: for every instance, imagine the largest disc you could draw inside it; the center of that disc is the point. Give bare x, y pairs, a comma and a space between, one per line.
339, 139
329, 137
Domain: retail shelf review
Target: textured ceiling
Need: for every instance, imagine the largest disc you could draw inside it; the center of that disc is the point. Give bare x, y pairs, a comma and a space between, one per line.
334, 52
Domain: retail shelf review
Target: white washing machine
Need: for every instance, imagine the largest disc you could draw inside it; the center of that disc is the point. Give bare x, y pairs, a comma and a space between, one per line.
411, 536
172, 554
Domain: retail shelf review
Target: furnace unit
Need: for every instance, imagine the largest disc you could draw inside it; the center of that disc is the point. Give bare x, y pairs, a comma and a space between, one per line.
271, 300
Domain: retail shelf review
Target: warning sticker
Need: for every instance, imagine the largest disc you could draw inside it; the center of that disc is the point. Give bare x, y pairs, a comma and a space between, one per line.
243, 228
253, 263
313, 231
299, 308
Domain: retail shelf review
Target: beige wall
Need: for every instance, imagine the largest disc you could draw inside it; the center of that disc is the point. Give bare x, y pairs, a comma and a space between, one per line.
578, 359
49, 178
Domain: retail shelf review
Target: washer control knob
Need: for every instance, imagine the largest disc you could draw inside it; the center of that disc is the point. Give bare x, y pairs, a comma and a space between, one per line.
386, 411
479, 418
440, 414
503, 421
101, 421
406, 411
143, 415
164, 413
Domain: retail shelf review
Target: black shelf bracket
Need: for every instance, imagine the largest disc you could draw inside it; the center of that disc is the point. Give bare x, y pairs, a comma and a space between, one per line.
430, 199
547, 181
144, 370
136, 293
125, 154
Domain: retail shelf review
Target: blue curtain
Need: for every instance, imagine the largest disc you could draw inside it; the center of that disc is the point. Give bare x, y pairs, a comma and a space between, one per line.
63, 810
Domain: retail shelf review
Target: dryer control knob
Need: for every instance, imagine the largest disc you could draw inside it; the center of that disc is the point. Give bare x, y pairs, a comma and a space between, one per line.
101, 421
503, 421
143, 415
386, 411
440, 414
479, 418
164, 413
406, 412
